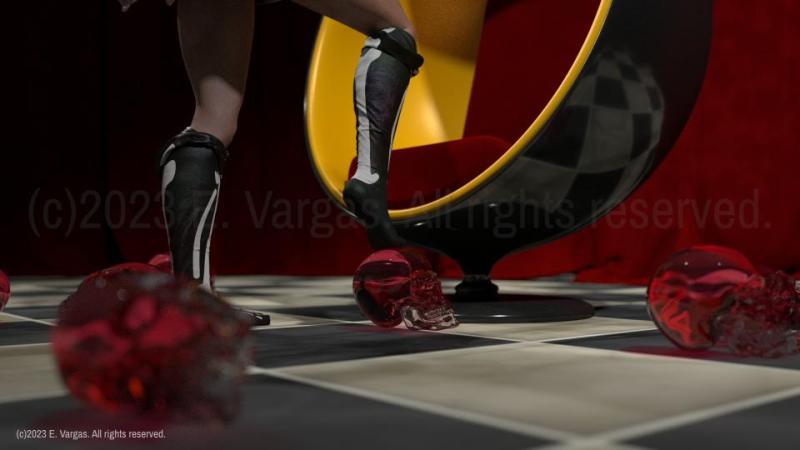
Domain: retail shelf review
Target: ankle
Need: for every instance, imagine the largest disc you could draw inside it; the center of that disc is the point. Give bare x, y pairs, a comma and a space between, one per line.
225, 132
410, 30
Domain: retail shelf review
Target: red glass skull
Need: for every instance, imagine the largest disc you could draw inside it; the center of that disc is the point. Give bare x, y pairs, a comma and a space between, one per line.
394, 286
689, 290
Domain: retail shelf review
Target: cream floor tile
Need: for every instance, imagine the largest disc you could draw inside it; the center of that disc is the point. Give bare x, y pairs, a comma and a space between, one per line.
28, 371
5, 318
249, 280
265, 301
568, 389
28, 301
339, 283
555, 330
9, 317
33, 286
591, 446
254, 302
287, 291
282, 281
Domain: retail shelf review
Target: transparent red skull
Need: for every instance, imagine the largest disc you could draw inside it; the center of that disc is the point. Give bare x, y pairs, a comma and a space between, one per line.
707, 295
689, 290
399, 286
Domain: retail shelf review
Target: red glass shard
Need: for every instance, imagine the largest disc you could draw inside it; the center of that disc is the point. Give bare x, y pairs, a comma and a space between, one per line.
760, 319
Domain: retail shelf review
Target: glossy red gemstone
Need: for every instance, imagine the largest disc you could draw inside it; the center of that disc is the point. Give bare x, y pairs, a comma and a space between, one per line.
162, 261
396, 286
5, 290
689, 290
151, 344
761, 318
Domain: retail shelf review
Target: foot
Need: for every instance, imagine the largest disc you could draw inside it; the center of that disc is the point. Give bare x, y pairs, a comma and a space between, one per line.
257, 319
368, 203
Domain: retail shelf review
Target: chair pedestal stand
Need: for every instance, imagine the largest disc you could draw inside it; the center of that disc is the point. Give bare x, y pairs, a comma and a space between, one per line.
478, 300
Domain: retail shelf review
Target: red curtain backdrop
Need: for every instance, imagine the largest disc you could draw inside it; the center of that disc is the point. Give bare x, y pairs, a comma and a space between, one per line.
100, 91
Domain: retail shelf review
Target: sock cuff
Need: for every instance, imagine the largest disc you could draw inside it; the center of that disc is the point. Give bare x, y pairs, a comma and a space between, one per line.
399, 44
192, 138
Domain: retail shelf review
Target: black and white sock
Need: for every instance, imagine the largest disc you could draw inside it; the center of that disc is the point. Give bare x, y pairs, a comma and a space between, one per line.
388, 61
191, 171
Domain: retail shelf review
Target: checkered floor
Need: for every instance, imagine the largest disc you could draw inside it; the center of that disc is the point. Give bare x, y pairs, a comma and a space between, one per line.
324, 378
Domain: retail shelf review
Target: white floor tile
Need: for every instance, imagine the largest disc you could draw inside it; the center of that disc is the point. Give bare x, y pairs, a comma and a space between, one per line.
574, 390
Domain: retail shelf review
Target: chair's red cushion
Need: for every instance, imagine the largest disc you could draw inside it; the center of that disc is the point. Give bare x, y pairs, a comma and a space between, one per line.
527, 47
422, 174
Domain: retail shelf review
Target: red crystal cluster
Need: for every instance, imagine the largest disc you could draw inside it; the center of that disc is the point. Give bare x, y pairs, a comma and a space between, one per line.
399, 286
5, 290
145, 342
760, 319
709, 295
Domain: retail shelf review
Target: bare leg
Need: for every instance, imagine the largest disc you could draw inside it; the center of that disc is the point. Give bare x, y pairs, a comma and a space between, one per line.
216, 40
216, 37
366, 16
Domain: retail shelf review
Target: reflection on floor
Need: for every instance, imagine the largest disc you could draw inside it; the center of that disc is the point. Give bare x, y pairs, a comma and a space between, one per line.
324, 378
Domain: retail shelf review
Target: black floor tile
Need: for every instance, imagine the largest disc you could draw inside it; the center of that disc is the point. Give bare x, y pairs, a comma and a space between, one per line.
772, 426
276, 415
328, 343
654, 343
634, 312
17, 333
349, 313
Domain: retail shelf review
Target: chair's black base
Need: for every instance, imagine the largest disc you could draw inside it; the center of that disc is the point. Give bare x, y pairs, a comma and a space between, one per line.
513, 308
477, 300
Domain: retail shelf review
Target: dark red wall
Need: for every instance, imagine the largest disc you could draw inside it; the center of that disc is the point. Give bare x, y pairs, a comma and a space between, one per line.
99, 92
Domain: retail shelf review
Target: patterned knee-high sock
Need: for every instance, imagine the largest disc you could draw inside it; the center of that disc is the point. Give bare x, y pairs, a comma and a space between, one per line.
388, 61
191, 171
